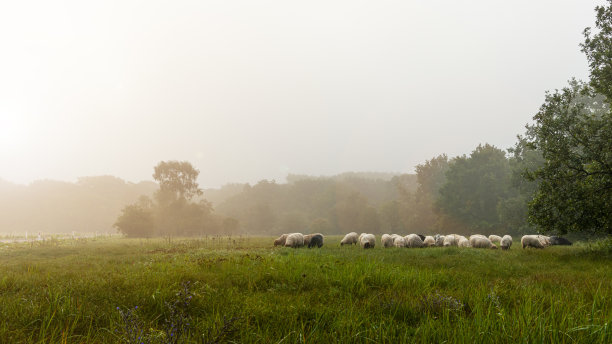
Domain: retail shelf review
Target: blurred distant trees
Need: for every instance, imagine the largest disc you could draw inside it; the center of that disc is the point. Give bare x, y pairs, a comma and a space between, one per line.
177, 182
174, 208
89, 205
330, 205
475, 186
136, 220
431, 176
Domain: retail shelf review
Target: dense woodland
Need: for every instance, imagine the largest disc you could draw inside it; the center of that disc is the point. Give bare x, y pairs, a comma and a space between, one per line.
445, 195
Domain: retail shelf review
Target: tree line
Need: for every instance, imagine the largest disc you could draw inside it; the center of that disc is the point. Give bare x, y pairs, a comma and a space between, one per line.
557, 178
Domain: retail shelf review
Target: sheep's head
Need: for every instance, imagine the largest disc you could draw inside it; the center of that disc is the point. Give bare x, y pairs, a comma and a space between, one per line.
493, 247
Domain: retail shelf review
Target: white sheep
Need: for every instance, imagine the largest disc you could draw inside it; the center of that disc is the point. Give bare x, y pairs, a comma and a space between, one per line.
413, 241
399, 241
386, 240
535, 241
429, 241
367, 240
545, 240
349, 239
463, 242
506, 242
450, 240
295, 240
495, 238
481, 241
281, 240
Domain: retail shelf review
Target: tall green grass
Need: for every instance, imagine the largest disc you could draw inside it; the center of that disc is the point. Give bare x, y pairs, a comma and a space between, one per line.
69, 291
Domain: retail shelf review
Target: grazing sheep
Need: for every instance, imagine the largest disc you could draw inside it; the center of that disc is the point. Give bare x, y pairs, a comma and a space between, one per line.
506, 242
399, 241
429, 241
295, 240
463, 242
315, 240
535, 241
308, 237
450, 240
367, 240
421, 236
480, 241
544, 239
386, 240
413, 241
439, 240
477, 236
281, 240
349, 239
495, 238
556, 240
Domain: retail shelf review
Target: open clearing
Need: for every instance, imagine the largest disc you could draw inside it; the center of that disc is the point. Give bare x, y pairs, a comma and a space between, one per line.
76, 291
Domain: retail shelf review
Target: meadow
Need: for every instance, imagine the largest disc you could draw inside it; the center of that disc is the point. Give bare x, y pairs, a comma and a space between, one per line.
243, 290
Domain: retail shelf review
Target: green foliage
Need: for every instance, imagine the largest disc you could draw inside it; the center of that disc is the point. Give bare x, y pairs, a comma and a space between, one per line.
513, 211
431, 176
598, 49
573, 130
69, 292
475, 186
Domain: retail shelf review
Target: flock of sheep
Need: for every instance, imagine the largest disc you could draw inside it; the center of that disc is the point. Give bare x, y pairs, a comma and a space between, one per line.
365, 240
296, 240
417, 240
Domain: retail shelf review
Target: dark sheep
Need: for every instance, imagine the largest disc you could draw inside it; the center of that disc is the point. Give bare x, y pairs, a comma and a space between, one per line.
316, 240
421, 236
556, 240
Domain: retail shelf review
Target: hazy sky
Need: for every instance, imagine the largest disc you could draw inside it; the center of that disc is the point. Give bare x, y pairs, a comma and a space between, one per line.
247, 90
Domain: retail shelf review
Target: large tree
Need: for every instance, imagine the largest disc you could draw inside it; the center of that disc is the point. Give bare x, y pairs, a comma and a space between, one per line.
598, 48
573, 132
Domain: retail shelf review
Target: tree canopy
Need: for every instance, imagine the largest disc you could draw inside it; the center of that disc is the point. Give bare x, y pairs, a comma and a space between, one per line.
177, 181
573, 132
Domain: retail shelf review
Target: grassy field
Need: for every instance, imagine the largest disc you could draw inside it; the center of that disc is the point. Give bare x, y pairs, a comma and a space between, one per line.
243, 290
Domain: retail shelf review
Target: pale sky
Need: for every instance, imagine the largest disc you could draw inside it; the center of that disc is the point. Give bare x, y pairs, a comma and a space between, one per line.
251, 90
